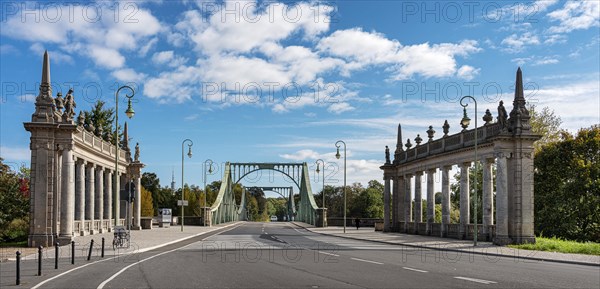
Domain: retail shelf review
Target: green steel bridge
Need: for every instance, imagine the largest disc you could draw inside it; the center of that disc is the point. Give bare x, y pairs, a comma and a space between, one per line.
225, 209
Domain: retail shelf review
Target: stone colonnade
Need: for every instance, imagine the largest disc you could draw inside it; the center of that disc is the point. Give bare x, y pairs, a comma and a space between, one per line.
507, 143
73, 175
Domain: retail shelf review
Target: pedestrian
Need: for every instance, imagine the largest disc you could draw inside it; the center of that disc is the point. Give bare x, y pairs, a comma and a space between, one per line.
357, 222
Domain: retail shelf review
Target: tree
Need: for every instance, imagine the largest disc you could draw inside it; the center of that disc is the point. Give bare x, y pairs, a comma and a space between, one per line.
567, 187
545, 123
14, 203
147, 204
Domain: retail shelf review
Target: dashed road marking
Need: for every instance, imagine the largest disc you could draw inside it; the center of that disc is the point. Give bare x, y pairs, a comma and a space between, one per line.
330, 254
368, 261
413, 269
476, 280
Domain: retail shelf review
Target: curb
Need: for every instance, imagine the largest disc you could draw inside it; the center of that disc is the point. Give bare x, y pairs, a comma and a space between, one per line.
455, 250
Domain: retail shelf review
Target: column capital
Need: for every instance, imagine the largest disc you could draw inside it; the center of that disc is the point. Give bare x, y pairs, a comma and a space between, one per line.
446, 167
81, 161
490, 160
431, 171
418, 173
465, 164
502, 155
91, 165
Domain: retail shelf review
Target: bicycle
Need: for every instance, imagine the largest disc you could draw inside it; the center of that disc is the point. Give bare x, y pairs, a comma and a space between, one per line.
121, 237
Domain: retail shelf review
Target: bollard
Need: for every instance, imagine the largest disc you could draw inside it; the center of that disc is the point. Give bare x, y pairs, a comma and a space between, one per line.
18, 268
90, 252
102, 255
40, 260
56, 255
72, 252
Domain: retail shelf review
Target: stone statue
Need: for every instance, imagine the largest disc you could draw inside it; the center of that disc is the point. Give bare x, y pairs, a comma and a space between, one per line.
70, 105
60, 102
136, 157
502, 115
387, 155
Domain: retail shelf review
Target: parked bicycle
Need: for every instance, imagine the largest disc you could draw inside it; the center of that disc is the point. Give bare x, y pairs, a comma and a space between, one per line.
121, 238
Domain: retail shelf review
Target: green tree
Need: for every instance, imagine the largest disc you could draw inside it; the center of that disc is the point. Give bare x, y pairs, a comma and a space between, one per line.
567, 187
14, 203
545, 123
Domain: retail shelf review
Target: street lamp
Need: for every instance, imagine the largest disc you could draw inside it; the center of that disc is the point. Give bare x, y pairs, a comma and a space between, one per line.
210, 170
465, 123
129, 112
337, 156
317, 170
191, 143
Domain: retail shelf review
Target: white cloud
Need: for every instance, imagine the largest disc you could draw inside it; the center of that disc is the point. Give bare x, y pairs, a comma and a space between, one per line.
106, 57
575, 15
535, 60
467, 72
128, 75
340, 107
57, 57
301, 155
361, 49
7, 49
517, 43
168, 58
144, 49
180, 84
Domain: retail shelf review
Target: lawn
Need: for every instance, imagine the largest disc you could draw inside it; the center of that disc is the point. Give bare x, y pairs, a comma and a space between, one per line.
562, 246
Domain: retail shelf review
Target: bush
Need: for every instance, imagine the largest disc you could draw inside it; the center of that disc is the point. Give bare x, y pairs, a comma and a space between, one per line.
16, 231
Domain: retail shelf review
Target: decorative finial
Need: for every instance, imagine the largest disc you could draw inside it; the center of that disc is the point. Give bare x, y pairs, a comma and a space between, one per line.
446, 128
80, 119
408, 144
519, 115
488, 117
418, 139
430, 133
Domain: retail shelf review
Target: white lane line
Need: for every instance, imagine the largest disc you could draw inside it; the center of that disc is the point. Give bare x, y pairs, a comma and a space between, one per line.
413, 269
126, 254
368, 261
476, 280
131, 265
330, 254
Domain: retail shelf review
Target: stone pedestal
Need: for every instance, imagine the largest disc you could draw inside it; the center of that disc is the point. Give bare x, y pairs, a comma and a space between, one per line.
207, 216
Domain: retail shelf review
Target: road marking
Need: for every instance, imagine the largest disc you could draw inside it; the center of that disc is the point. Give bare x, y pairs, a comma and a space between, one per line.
368, 261
476, 280
126, 254
131, 265
413, 269
330, 254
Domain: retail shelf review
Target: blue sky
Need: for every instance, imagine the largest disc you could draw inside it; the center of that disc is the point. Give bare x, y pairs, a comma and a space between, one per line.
283, 81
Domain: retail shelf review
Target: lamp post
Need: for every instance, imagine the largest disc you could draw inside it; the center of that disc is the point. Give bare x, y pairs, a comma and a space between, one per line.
337, 156
129, 112
191, 143
210, 162
317, 170
464, 123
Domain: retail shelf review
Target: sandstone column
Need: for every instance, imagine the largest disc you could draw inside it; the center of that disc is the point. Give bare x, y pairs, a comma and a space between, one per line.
407, 203
502, 237
99, 202
108, 187
464, 199
80, 195
488, 197
445, 199
418, 202
430, 200
400, 200
138, 203
394, 201
386, 208
90, 196
67, 213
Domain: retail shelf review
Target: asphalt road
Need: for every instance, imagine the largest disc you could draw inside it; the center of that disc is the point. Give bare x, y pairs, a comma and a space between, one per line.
281, 255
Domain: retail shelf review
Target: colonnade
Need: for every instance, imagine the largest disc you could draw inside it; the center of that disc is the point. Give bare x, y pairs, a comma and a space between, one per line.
403, 203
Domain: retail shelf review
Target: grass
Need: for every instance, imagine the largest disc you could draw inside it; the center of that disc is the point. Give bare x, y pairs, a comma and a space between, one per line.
563, 246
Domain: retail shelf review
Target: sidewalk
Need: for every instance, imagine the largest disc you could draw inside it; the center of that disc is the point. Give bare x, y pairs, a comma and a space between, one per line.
447, 244
141, 241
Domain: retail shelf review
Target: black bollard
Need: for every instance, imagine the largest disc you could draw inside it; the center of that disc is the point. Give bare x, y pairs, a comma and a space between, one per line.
72, 252
40, 260
90, 252
56, 255
18, 268
102, 255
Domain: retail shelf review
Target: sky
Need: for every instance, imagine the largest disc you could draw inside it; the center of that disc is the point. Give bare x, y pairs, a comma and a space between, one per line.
282, 81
